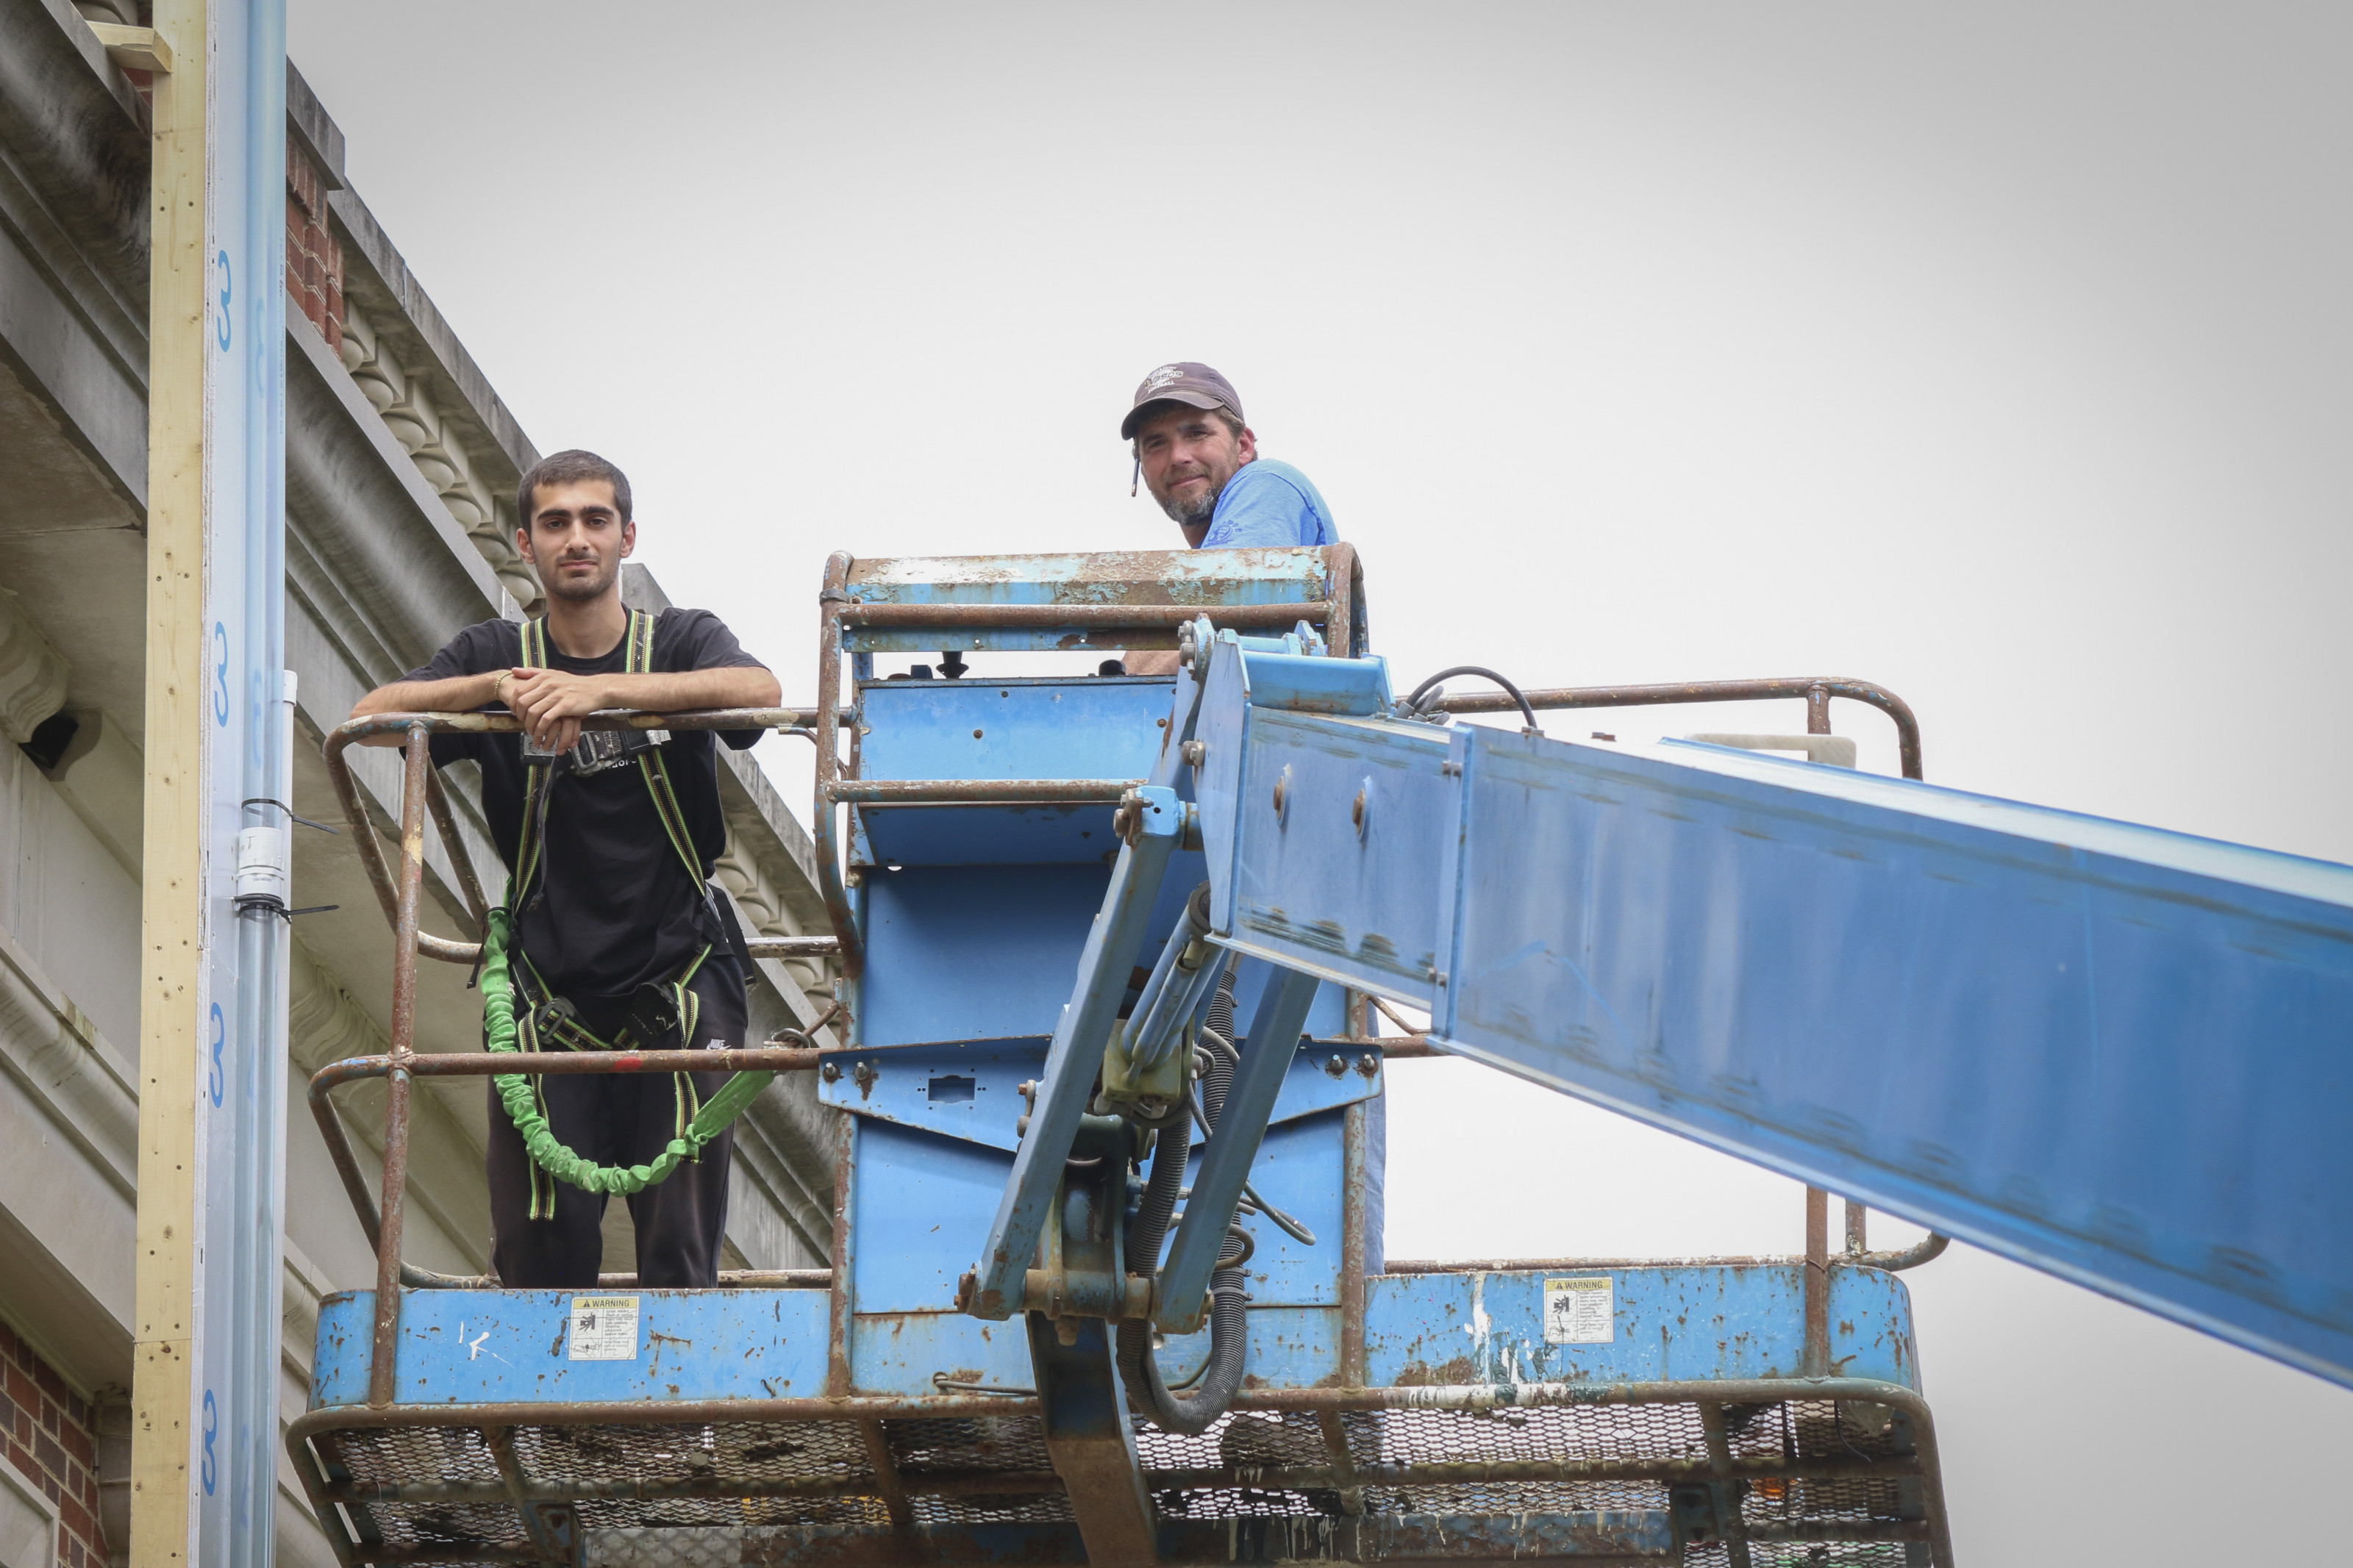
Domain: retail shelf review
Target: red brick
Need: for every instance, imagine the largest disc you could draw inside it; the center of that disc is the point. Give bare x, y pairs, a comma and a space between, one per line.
90, 1489
22, 1458
303, 182
75, 1437
45, 1449
50, 1418
23, 1432
22, 1390
51, 1384
49, 1485
77, 1518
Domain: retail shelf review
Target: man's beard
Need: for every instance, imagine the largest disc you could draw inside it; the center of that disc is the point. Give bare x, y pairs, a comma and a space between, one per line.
558, 586
1195, 512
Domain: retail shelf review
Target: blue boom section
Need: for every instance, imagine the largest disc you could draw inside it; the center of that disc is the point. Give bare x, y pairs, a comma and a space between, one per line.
2117, 1054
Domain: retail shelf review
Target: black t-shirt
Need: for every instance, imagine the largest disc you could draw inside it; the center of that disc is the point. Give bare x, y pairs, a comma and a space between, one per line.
621, 908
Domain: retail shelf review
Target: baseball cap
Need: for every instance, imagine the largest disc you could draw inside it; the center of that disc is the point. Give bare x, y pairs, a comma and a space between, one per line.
1183, 382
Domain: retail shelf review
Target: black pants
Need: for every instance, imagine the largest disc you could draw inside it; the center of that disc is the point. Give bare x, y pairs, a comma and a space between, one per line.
621, 1118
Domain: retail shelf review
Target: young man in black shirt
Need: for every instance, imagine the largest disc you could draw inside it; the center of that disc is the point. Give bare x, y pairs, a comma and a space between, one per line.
618, 937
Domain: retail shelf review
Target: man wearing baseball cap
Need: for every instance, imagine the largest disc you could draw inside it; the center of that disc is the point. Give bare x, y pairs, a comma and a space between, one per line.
1202, 462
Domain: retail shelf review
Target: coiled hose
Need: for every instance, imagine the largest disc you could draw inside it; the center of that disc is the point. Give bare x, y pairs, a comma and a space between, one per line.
1147, 1391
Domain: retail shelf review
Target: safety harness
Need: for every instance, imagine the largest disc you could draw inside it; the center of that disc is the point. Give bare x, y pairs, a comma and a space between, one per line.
545, 1019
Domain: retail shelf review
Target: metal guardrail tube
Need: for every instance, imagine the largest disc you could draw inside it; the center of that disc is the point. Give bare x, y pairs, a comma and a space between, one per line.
1907, 728
1929, 1246
980, 791
831, 601
444, 823
793, 946
1051, 617
417, 763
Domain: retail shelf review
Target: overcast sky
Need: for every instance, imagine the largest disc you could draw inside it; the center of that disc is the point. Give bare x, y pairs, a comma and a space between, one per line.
1998, 353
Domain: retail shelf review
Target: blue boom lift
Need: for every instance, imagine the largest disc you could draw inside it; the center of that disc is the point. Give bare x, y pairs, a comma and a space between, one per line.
2117, 1054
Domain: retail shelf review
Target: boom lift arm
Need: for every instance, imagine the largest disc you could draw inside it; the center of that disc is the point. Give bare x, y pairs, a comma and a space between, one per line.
2120, 1055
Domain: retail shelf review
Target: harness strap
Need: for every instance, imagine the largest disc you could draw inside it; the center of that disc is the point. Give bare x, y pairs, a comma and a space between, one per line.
547, 1151
546, 1020
656, 771
539, 781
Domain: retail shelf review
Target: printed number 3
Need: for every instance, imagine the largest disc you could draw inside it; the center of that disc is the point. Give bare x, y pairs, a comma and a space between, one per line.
210, 1467
220, 675
220, 1075
221, 322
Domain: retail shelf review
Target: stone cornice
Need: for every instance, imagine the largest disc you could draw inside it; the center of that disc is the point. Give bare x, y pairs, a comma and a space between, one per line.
57, 1055
423, 340
73, 125
32, 673
359, 504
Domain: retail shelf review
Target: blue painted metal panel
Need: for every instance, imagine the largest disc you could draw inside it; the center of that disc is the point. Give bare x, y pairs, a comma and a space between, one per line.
467, 1347
1670, 1322
1269, 1053
922, 1201
1298, 1170
902, 1352
1373, 923
1101, 728
1312, 683
1066, 1083
1204, 577
973, 953
966, 1092
2122, 1055
1045, 834
959, 953
972, 1092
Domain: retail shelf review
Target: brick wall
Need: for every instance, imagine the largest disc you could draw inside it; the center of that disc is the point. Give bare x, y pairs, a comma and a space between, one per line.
52, 1441
314, 262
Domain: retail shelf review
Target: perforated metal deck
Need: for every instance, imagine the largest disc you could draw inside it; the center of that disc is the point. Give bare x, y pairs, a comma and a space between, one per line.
1731, 1473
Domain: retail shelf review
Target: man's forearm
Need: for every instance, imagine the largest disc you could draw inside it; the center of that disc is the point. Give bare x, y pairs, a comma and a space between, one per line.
456, 694
681, 692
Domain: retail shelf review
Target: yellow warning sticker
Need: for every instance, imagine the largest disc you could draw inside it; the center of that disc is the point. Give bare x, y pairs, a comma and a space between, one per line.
603, 1328
1580, 1310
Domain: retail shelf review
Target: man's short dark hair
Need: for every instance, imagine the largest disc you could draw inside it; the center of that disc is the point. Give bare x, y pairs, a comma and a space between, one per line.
573, 468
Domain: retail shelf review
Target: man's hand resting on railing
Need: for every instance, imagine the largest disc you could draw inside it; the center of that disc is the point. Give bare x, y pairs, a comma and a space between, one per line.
552, 703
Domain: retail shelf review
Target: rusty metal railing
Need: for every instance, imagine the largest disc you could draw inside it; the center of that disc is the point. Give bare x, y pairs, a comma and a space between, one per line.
786, 720
839, 609
399, 889
1816, 691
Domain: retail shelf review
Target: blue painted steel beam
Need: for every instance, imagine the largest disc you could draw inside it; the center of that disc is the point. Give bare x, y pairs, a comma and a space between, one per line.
1076, 1055
2120, 1055
1272, 1040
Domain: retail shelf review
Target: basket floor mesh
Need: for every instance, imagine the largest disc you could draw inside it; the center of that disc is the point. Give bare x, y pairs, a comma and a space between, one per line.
821, 1475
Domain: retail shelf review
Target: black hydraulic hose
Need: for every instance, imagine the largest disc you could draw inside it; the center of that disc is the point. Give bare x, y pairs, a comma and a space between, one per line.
1228, 1331
1413, 701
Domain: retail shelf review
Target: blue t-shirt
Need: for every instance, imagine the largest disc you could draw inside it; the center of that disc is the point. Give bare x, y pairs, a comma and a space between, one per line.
1267, 502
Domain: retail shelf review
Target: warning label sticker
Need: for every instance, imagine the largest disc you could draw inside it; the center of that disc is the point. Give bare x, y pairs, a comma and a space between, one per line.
1582, 1311
604, 1327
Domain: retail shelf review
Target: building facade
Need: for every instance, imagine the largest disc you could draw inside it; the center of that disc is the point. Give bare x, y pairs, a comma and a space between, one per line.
401, 466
